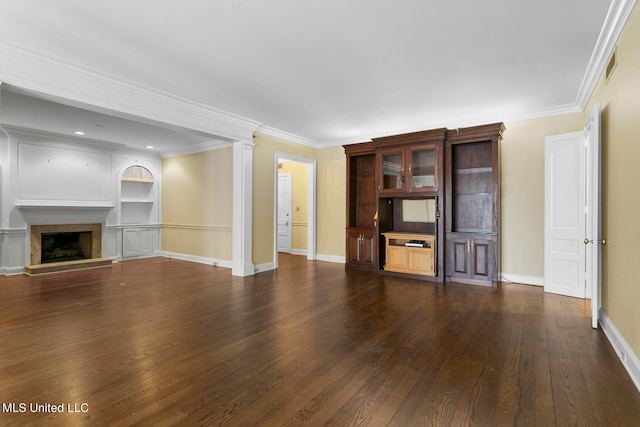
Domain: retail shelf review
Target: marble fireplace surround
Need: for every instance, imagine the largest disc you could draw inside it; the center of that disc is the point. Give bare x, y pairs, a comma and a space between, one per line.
38, 229
63, 216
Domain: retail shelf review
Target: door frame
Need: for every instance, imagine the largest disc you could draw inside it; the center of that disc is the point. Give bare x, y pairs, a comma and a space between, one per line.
593, 237
311, 204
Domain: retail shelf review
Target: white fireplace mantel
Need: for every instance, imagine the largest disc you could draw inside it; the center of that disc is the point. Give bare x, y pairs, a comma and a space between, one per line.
63, 214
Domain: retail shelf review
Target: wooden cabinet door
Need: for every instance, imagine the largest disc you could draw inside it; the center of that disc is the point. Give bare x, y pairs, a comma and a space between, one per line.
422, 168
130, 243
361, 248
367, 250
481, 251
409, 169
391, 163
459, 257
145, 241
471, 257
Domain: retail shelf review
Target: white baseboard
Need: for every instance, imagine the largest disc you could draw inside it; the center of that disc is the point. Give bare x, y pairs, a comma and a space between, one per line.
299, 252
227, 264
8, 271
259, 268
625, 353
331, 258
201, 260
521, 278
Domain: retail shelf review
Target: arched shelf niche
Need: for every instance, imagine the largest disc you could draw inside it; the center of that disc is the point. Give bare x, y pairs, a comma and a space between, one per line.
137, 196
137, 173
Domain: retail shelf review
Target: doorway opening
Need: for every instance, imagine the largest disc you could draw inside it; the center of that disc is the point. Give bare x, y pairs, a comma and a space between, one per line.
295, 215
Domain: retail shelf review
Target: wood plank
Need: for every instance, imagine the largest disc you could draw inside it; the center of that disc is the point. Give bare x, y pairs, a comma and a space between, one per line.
160, 341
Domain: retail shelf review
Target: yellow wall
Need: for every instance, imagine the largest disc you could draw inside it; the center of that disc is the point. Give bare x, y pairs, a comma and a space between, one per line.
196, 204
332, 201
195, 186
620, 102
522, 192
299, 202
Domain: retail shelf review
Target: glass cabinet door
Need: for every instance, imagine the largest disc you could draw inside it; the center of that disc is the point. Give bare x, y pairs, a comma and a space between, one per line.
422, 169
392, 170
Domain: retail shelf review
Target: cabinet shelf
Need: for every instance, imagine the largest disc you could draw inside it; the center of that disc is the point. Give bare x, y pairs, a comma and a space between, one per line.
403, 257
473, 204
483, 169
138, 194
140, 180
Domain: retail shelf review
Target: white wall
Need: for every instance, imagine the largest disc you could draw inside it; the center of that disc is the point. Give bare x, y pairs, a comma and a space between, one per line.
51, 179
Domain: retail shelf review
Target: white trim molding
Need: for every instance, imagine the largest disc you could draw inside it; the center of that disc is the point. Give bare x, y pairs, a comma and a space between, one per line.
197, 148
242, 223
522, 279
277, 133
614, 23
628, 358
56, 79
331, 258
268, 266
214, 262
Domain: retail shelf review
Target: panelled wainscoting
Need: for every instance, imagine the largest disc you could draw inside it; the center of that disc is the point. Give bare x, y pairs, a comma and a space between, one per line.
161, 341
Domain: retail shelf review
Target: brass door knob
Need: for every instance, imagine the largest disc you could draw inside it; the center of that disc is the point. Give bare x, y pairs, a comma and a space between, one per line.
587, 241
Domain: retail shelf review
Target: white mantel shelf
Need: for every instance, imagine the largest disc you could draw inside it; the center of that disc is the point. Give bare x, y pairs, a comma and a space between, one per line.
64, 214
73, 205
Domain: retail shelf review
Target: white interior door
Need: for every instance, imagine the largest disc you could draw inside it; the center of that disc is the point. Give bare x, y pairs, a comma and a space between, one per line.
593, 236
573, 232
565, 216
284, 212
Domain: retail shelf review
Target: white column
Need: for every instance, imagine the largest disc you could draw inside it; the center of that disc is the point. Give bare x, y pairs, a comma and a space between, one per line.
242, 262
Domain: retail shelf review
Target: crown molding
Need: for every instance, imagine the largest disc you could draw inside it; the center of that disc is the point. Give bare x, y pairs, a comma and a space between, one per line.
558, 110
267, 130
614, 23
31, 134
40, 73
197, 148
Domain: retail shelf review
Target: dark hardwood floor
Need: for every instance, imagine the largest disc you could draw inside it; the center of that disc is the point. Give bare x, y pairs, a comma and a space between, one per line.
166, 342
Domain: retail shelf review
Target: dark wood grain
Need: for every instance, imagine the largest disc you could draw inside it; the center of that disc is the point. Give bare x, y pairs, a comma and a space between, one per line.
160, 341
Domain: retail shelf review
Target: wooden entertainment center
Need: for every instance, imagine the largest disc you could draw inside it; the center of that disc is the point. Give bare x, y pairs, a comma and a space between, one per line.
426, 204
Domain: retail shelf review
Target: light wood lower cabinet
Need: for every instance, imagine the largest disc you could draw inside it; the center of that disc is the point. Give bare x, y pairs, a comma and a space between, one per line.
403, 257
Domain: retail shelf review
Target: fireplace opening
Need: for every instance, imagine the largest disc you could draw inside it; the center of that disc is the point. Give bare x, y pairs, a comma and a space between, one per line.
66, 246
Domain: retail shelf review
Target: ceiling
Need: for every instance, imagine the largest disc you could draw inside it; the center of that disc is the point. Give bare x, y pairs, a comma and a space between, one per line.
328, 72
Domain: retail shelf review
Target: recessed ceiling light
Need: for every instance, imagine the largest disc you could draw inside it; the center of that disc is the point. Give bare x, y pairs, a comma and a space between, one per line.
150, 147
79, 132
